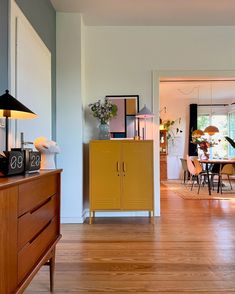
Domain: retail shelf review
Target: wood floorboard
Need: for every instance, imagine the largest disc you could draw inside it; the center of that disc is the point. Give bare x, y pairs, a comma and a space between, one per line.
189, 249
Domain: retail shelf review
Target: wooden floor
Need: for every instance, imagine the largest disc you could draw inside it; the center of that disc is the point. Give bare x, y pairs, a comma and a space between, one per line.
190, 249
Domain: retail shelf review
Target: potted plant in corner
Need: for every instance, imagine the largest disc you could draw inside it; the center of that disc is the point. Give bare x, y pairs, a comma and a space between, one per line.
103, 112
172, 131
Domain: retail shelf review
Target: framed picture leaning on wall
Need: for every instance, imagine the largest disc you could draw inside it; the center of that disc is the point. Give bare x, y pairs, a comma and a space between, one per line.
125, 124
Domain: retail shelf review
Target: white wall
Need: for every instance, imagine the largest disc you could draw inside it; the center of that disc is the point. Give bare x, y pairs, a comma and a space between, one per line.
177, 107
33, 74
69, 114
119, 60
30, 78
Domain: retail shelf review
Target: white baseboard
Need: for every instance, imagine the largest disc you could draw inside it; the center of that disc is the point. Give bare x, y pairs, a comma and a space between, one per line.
76, 220
80, 220
85, 214
117, 213
71, 220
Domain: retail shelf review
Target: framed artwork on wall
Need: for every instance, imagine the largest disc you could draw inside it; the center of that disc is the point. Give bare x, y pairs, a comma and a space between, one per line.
125, 124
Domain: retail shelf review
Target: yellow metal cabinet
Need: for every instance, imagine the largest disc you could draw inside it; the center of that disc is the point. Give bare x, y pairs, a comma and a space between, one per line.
121, 176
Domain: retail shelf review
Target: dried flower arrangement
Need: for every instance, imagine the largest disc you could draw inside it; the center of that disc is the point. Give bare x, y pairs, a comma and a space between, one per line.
103, 111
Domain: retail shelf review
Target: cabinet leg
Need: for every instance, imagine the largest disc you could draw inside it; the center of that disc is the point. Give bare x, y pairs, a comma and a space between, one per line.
91, 217
151, 213
151, 216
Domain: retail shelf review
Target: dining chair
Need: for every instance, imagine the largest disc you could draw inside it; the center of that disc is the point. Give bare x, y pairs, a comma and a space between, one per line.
228, 170
196, 172
203, 173
214, 172
185, 169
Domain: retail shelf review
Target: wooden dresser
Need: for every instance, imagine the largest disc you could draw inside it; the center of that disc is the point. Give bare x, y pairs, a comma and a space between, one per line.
121, 176
30, 227
163, 167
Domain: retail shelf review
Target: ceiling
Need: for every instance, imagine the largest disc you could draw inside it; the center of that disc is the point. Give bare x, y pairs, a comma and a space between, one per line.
151, 12
201, 91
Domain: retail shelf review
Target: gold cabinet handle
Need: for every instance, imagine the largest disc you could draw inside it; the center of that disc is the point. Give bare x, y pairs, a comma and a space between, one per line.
118, 166
124, 167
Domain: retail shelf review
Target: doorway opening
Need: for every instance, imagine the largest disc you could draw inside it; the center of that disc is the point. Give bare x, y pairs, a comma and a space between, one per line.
174, 91
217, 110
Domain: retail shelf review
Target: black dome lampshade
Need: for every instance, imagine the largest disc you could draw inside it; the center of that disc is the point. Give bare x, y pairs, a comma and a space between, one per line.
11, 108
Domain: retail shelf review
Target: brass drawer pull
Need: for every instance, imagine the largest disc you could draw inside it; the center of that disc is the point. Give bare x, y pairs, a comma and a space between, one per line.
118, 166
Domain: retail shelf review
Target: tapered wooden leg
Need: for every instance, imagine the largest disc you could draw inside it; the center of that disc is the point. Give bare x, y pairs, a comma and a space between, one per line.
52, 271
51, 264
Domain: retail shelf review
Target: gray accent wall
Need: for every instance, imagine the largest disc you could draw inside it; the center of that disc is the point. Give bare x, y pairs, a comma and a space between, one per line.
3, 45
42, 16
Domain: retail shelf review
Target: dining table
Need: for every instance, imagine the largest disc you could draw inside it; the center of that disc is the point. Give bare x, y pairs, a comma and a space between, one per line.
221, 163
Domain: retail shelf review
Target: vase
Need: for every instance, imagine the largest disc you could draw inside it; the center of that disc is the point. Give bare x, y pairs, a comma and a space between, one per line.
205, 155
104, 133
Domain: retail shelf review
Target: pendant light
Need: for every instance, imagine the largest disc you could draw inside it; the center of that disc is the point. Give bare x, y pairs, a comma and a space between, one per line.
197, 133
211, 130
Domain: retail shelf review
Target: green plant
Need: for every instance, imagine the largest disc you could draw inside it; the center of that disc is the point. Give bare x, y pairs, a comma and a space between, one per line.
171, 130
231, 141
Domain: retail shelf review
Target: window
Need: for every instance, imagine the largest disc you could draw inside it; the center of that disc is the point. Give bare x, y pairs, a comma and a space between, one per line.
221, 122
203, 121
231, 128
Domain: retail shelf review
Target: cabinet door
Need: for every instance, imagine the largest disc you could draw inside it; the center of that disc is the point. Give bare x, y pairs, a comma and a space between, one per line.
105, 184
137, 164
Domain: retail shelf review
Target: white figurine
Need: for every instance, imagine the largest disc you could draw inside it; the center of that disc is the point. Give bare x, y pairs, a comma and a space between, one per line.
48, 149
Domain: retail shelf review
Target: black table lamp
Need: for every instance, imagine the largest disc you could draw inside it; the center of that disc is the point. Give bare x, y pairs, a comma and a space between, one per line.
10, 107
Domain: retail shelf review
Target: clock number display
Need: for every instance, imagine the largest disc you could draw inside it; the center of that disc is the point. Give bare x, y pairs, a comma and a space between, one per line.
19, 161
35, 160
16, 162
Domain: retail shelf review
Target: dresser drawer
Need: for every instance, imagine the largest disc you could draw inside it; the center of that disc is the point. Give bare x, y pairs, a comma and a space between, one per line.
29, 255
33, 222
32, 194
